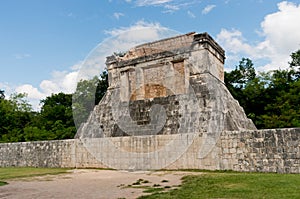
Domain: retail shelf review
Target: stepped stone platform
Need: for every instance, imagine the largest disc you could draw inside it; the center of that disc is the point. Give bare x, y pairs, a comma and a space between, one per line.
179, 81
174, 87
166, 107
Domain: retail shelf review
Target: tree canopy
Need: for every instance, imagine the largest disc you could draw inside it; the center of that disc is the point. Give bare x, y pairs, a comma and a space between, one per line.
2, 96
272, 99
54, 121
88, 94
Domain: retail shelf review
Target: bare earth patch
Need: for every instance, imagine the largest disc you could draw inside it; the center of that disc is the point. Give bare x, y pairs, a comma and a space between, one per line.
91, 183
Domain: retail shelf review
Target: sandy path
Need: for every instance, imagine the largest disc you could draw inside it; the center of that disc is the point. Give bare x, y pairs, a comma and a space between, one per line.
89, 183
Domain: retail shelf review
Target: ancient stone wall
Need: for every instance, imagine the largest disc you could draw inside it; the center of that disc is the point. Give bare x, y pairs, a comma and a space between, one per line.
38, 154
166, 107
167, 87
274, 150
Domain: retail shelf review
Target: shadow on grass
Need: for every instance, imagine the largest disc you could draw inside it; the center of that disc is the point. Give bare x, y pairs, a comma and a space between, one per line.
3, 183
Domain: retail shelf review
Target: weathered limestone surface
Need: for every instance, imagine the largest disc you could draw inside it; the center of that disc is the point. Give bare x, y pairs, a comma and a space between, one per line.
38, 154
167, 87
273, 150
166, 108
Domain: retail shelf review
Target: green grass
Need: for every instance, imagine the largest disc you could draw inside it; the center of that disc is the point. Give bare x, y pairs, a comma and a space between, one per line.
10, 173
235, 185
153, 190
2, 183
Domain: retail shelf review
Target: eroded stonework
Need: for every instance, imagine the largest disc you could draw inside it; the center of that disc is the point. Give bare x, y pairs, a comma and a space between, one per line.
166, 108
171, 86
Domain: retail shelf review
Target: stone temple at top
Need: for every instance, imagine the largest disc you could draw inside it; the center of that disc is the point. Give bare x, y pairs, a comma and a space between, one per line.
170, 86
166, 107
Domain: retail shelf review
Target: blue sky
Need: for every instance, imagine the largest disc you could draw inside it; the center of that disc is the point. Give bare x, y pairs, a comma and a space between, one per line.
43, 43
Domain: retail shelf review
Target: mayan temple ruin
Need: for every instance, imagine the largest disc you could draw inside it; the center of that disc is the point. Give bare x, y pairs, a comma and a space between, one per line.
166, 107
182, 76
171, 87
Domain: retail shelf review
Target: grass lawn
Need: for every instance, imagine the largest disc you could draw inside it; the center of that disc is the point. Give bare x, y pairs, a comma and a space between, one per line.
9, 173
2, 183
235, 185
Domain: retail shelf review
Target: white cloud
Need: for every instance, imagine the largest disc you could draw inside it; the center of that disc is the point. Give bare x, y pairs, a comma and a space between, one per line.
170, 6
22, 55
234, 42
122, 39
140, 32
281, 28
32, 92
207, 9
280, 34
60, 81
190, 14
151, 2
236, 47
117, 15
7, 88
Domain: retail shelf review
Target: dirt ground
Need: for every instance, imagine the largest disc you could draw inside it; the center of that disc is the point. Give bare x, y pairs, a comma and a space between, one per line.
89, 183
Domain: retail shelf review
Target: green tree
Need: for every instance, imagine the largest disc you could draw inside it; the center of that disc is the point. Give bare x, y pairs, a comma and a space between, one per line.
254, 99
84, 100
270, 99
54, 121
295, 58
34, 133
282, 107
102, 86
2, 96
242, 74
56, 116
242, 77
88, 94
15, 114
295, 64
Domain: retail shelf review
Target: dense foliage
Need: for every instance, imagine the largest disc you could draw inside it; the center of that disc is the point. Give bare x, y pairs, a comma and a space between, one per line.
88, 93
18, 121
271, 100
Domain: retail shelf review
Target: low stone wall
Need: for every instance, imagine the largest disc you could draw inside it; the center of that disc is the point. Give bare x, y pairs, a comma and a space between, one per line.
57, 153
274, 150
